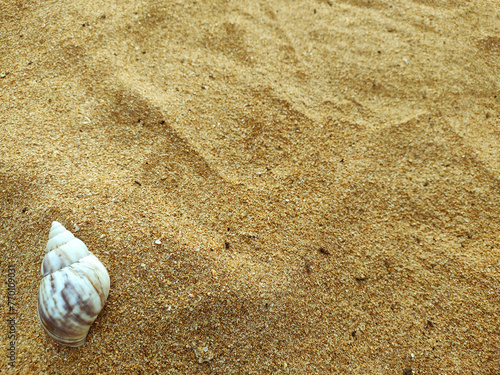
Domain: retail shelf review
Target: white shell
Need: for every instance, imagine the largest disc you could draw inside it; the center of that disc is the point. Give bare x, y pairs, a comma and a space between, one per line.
74, 288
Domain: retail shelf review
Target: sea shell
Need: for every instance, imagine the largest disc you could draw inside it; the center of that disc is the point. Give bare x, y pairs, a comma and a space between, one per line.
74, 288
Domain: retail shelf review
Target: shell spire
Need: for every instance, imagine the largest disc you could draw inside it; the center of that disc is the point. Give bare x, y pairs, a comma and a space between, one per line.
74, 288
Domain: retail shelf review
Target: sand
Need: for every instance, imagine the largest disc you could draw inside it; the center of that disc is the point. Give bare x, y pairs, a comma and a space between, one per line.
323, 176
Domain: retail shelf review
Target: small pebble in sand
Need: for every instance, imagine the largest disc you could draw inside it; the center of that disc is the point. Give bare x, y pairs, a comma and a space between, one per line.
158, 242
203, 354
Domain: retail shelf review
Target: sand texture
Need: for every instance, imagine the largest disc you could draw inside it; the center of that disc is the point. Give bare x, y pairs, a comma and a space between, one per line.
323, 176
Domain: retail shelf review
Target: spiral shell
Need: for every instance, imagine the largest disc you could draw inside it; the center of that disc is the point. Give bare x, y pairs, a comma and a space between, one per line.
73, 290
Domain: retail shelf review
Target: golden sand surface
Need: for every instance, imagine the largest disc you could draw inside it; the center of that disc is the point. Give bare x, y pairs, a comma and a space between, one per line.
323, 176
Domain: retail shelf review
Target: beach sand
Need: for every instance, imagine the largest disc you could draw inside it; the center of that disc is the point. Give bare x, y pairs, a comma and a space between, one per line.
323, 176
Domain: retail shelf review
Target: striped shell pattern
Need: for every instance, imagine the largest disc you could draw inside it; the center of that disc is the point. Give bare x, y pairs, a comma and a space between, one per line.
74, 288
